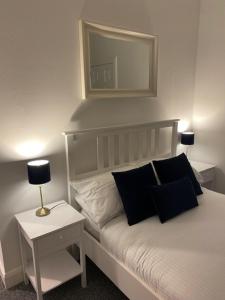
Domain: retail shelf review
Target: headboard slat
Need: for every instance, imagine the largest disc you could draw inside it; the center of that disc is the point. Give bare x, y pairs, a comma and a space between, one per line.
140, 146
111, 151
130, 146
121, 148
174, 138
100, 153
119, 145
148, 142
156, 146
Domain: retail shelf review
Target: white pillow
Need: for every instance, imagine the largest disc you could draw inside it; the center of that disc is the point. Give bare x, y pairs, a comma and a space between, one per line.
82, 185
101, 203
98, 196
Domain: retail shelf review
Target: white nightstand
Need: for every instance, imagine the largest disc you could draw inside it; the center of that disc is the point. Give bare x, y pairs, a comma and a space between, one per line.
48, 238
207, 172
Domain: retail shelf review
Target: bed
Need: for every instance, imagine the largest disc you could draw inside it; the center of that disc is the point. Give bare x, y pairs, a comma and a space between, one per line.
182, 259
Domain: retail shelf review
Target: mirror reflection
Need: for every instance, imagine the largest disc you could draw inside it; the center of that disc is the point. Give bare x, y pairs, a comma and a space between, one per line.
118, 63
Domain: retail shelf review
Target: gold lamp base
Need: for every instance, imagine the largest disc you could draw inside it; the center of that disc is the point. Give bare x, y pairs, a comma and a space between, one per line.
42, 212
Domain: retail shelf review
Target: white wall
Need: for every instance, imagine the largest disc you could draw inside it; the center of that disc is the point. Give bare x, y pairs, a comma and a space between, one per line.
40, 86
209, 107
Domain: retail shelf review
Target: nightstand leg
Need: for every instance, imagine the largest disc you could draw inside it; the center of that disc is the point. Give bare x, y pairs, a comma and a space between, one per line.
37, 271
23, 256
83, 266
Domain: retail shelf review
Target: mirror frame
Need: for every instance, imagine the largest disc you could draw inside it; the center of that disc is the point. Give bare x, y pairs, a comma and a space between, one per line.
87, 92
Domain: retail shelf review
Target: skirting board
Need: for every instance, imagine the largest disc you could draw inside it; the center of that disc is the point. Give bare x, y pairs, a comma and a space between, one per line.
128, 282
12, 277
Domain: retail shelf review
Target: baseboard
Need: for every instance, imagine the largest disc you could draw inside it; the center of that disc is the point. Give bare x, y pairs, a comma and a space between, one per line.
12, 277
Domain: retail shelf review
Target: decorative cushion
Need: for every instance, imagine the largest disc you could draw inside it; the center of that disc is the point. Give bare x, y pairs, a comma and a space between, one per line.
136, 197
98, 196
175, 168
174, 198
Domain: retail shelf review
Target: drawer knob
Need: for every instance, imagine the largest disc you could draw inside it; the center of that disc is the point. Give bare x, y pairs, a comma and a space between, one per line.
60, 237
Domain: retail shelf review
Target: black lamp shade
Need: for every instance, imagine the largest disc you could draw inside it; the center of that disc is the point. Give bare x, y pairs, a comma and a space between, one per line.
38, 171
187, 138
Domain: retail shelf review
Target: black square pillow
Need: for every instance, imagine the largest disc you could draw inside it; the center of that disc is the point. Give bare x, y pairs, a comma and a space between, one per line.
175, 168
136, 197
174, 198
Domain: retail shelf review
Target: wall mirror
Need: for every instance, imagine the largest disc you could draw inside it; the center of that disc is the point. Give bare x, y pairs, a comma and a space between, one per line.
117, 62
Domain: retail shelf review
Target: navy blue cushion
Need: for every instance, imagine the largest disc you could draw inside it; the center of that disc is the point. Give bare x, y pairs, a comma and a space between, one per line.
174, 198
136, 197
175, 168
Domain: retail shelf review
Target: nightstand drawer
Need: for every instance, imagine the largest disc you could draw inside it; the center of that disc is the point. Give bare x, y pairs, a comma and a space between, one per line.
59, 240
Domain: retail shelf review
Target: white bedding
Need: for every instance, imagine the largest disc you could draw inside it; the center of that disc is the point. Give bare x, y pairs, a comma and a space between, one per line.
90, 226
181, 259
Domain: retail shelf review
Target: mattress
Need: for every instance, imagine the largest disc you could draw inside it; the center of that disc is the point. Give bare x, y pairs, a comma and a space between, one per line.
183, 259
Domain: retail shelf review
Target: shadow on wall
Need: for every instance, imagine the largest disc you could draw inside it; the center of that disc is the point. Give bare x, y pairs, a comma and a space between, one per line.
108, 112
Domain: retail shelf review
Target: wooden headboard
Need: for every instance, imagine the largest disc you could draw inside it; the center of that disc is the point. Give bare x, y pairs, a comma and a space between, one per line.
118, 146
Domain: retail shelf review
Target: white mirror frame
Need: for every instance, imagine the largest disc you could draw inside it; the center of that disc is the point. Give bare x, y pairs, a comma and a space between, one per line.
87, 91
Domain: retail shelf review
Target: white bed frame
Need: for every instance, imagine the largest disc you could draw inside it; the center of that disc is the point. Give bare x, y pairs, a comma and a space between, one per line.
115, 148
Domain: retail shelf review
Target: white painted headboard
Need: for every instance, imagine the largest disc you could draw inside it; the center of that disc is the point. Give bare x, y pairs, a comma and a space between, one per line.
121, 145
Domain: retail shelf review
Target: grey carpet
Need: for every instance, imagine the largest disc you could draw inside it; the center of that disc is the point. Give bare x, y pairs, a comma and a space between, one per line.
99, 288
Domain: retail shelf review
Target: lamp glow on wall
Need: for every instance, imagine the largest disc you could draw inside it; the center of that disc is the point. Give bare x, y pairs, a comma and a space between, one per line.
38, 174
188, 139
183, 125
30, 148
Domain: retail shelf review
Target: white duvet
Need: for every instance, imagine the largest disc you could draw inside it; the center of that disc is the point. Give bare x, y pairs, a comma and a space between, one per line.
181, 259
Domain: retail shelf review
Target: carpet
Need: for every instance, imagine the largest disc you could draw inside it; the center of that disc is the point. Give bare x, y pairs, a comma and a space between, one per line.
99, 287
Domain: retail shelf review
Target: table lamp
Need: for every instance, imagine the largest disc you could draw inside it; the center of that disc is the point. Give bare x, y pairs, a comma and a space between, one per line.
38, 174
187, 138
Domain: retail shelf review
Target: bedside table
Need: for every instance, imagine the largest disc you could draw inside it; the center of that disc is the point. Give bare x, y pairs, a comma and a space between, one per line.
48, 238
207, 172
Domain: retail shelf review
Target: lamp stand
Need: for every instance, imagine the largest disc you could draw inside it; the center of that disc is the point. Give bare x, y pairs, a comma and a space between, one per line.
188, 151
43, 211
